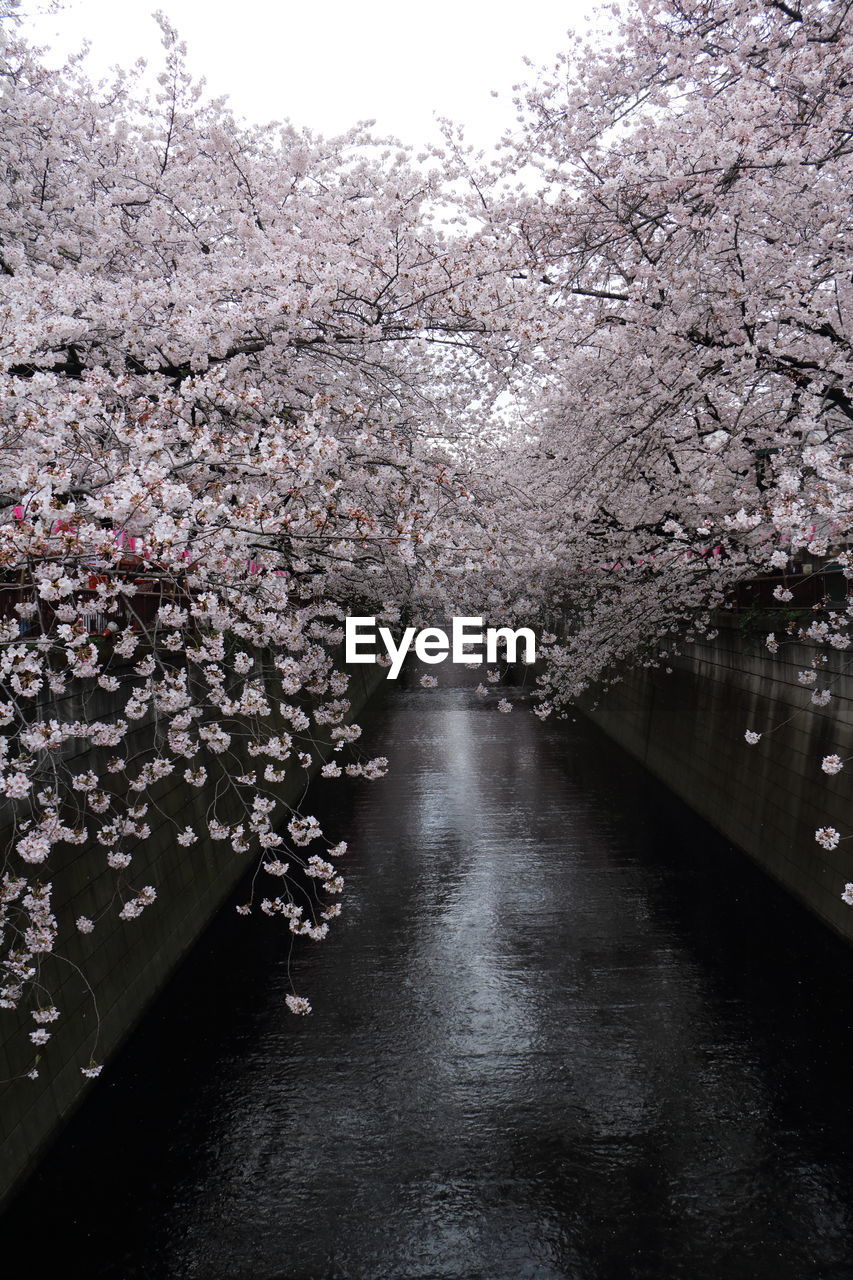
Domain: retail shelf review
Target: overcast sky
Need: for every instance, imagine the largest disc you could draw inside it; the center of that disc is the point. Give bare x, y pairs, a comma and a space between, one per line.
330, 63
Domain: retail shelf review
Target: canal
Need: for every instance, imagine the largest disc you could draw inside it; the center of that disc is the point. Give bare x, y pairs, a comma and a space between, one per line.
562, 1032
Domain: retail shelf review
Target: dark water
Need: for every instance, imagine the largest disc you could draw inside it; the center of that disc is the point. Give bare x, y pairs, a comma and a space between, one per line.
562, 1031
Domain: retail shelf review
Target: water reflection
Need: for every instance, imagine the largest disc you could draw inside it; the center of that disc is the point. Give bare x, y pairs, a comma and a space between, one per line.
564, 1032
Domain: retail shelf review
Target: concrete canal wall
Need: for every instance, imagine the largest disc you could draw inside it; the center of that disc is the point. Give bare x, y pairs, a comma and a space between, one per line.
688, 727
126, 962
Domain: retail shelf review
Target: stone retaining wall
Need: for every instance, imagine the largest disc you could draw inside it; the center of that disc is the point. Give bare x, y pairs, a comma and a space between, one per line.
688, 727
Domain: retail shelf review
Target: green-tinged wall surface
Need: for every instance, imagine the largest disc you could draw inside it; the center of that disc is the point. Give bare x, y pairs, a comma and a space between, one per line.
126, 962
687, 727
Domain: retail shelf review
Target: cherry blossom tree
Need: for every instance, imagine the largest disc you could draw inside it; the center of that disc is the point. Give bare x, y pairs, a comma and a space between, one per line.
241, 370
691, 238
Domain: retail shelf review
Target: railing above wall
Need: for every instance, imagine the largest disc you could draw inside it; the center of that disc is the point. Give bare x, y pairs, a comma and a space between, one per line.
809, 586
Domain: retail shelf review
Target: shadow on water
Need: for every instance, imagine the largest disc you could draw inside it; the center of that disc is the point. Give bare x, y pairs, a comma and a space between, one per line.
562, 1031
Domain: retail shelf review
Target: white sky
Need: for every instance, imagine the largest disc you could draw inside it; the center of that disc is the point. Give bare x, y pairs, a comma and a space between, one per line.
331, 63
